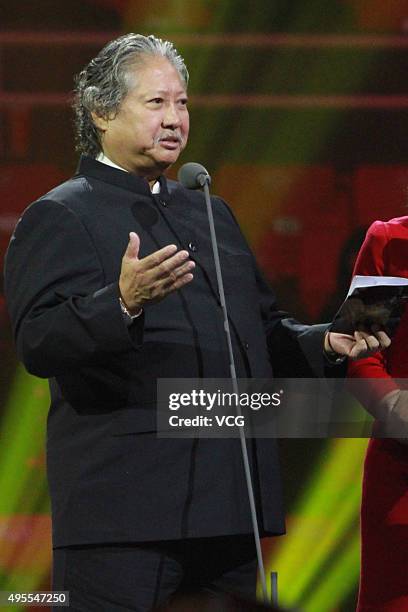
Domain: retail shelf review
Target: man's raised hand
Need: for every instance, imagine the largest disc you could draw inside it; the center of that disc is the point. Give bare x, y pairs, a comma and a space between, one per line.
151, 278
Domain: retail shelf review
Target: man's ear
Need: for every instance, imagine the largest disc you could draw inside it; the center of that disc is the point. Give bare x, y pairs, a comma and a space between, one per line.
100, 122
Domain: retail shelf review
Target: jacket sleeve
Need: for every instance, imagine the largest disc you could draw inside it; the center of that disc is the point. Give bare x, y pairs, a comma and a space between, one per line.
63, 313
372, 261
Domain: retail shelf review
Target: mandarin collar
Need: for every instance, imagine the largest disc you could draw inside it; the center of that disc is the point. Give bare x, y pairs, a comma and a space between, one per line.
89, 166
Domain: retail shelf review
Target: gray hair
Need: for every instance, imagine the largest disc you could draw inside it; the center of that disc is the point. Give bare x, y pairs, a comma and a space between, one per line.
104, 82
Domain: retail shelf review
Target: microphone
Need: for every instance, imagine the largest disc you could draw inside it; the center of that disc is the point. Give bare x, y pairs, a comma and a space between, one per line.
193, 176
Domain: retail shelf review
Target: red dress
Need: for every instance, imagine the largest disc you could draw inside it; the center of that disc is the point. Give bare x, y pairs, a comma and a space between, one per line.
384, 511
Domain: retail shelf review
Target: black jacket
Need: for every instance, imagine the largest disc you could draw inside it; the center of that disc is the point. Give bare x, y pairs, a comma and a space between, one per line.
110, 478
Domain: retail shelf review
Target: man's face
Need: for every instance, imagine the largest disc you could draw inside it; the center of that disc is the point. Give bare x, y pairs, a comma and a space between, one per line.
151, 127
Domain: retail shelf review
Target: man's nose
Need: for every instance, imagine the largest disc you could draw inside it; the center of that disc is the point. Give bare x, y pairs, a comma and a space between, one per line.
172, 116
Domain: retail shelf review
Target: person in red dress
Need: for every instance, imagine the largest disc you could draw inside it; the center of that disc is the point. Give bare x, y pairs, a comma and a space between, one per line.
384, 511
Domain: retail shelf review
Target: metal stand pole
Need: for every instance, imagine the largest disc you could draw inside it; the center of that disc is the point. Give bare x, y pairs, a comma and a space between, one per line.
235, 389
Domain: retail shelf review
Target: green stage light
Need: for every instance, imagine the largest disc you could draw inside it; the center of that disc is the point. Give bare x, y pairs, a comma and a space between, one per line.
324, 515
23, 438
338, 581
24, 506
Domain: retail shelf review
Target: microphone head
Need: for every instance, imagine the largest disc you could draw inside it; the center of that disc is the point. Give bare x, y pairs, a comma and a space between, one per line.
193, 176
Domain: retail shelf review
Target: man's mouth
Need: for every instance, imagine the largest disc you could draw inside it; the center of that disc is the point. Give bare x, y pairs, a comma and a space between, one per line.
170, 142
170, 138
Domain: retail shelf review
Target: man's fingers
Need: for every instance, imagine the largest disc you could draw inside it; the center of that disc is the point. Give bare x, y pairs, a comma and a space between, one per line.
154, 260
368, 343
359, 348
164, 286
384, 339
180, 282
183, 269
377, 340
132, 250
173, 275
171, 280
372, 343
169, 265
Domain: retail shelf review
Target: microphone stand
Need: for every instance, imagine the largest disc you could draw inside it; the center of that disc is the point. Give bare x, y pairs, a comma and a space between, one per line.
204, 181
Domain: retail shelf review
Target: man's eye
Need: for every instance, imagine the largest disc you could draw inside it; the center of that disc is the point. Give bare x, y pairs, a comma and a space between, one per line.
183, 102
156, 100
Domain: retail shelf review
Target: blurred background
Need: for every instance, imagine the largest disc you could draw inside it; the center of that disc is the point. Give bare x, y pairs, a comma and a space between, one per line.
299, 111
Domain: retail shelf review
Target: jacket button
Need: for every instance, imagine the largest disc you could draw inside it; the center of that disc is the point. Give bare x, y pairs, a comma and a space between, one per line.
163, 202
192, 246
246, 346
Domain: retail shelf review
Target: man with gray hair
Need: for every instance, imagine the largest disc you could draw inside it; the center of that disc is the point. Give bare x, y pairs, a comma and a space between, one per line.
110, 286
